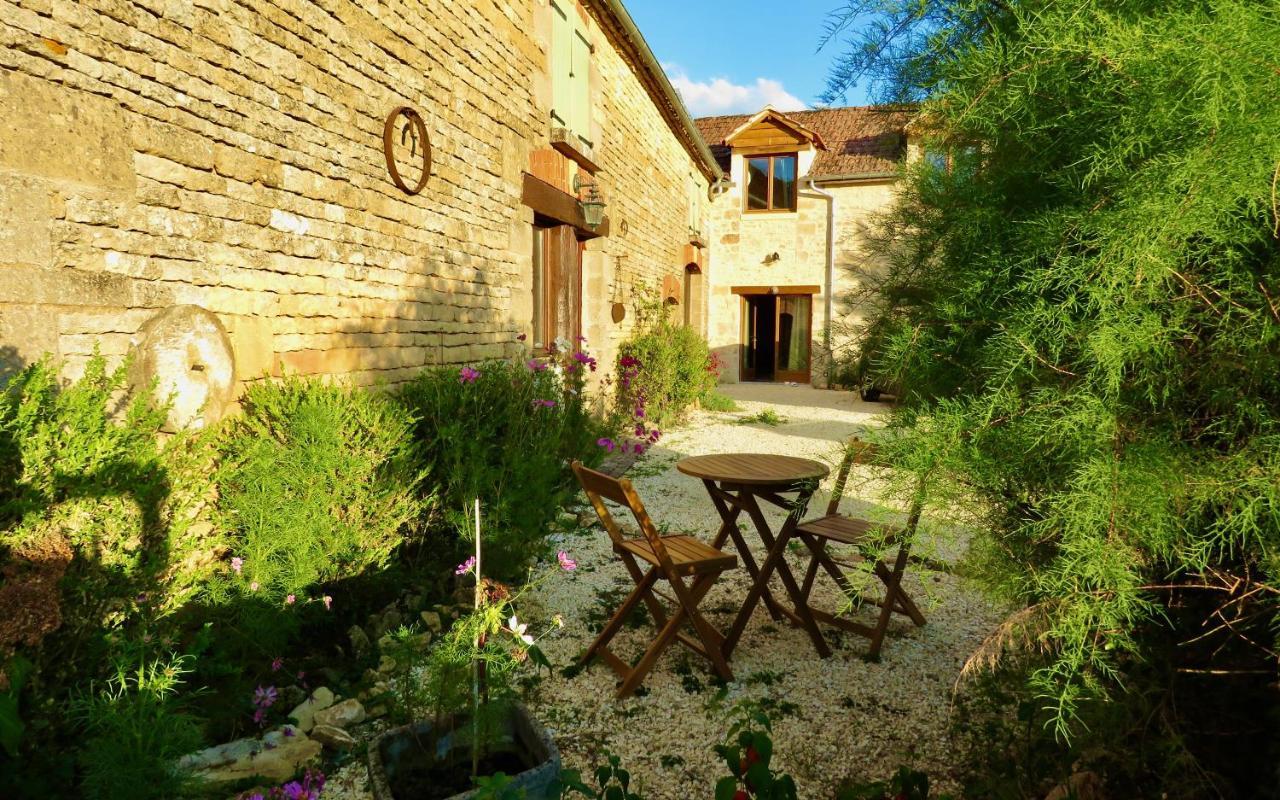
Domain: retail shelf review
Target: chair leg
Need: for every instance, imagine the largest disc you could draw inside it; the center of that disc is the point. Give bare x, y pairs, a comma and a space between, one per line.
665, 637
892, 592
642, 591
901, 601
712, 640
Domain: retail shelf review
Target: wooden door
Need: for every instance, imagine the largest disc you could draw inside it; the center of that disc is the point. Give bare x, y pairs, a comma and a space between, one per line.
561, 268
793, 329
750, 332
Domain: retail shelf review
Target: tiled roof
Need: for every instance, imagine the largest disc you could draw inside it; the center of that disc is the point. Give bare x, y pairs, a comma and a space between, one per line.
861, 140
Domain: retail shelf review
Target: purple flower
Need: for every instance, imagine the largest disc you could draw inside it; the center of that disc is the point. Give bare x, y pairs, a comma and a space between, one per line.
583, 358
260, 717
639, 448
468, 375
277, 664
465, 566
264, 696
545, 403
607, 444
289, 732
236, 564
627, 362
536, 365
294, 791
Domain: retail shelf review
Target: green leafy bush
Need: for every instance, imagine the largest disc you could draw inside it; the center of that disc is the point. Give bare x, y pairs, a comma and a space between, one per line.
98, 533
665, 368
135, 732
320, 482
505, 433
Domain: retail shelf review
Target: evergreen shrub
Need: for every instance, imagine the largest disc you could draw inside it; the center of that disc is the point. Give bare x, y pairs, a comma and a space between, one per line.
320, 482
673, 367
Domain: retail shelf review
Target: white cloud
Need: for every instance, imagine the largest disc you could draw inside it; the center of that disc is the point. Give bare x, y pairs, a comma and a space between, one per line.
722, 96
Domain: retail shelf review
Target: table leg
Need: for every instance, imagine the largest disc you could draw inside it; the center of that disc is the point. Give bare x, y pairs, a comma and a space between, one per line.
729, 529
777, 560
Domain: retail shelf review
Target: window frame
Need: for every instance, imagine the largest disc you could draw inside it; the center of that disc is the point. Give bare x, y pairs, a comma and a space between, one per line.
746, 183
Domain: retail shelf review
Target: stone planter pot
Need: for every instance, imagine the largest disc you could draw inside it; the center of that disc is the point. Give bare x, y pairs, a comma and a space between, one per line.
399, 751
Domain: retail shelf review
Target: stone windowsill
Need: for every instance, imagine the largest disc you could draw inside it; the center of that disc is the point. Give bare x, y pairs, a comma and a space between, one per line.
571, 146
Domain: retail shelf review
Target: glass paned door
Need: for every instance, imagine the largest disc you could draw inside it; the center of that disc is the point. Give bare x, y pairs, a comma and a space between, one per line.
794, 333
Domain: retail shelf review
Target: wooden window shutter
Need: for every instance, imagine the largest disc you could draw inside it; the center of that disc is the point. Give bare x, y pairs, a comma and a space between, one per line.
580, 102
561, 64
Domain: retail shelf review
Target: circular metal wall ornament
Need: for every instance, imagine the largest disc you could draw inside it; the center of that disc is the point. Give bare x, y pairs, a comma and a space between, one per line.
414, 136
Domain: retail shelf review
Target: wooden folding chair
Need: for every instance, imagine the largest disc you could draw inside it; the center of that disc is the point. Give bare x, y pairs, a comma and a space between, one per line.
862, 534
670, 558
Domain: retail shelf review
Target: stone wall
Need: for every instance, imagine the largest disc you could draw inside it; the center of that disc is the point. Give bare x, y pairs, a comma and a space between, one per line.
228, 154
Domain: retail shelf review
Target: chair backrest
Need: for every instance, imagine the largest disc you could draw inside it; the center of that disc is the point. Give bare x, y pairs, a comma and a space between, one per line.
858, 451
600, 487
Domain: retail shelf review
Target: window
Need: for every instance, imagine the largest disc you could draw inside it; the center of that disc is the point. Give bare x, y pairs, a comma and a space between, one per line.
771, 183
557, 285
570, 71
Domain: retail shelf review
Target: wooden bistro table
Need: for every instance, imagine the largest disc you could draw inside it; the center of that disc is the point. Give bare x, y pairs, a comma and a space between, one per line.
737, 482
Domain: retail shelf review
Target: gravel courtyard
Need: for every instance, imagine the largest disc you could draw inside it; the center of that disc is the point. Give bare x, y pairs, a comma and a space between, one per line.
835, 718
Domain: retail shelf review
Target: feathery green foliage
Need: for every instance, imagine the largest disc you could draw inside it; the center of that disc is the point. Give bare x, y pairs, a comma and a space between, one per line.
320, 483
1084, 313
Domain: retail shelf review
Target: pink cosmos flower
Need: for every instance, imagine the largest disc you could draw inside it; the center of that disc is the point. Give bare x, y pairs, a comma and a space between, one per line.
290, 599
536, 365
277, 664
237, 564
607, 444
545, 403
567, 564
465, 566
468, 375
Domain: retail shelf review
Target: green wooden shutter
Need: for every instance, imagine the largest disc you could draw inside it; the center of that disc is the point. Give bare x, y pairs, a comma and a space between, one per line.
580, 100
561, 65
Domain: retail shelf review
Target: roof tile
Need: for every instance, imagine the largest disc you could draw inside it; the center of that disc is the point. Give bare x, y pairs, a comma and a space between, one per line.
861, 140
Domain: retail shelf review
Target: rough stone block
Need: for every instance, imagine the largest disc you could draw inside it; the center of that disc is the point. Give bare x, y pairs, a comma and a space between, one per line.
52, 131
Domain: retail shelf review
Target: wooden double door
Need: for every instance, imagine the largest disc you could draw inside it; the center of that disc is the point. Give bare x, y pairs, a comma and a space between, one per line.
777, 330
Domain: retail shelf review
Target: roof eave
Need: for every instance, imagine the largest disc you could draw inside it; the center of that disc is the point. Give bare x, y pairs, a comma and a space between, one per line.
850, 177
660, 88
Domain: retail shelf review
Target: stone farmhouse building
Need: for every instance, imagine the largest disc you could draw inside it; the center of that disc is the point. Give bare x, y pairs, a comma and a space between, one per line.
362, 189
238, 157
786, 226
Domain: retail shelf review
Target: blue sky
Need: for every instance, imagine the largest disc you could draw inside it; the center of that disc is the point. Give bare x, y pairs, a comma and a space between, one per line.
733, 56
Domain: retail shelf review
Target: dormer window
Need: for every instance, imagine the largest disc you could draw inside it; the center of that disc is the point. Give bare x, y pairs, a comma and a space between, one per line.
771, 182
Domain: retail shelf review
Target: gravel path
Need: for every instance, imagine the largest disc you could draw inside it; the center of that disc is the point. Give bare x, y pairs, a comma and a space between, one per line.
834, 719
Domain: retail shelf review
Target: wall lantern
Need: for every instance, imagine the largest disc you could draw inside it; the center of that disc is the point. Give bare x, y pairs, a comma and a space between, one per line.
592, 203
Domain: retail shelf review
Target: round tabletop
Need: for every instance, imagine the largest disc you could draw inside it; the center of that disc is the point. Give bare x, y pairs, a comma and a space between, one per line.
753, 469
